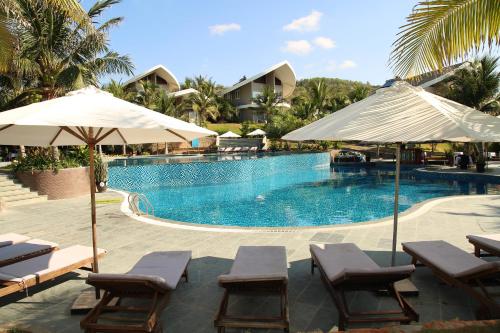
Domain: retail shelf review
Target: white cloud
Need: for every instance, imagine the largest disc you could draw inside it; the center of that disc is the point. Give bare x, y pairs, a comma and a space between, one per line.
220, 29
299, 47
306, 23
324, 42
348, 64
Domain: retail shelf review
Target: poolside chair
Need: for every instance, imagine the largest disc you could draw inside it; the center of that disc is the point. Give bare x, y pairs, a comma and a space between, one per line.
253, 149
12, 238
460, 269
31, 272
245, 149
256, 270
22, 251
487, 243
236, 149
228, 149
152, 279
221, 149
345, 267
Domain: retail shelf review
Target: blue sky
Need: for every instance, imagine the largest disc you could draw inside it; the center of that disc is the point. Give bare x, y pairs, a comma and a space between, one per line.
225, 39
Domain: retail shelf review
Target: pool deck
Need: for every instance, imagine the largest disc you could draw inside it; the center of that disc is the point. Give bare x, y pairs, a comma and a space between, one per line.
194, 304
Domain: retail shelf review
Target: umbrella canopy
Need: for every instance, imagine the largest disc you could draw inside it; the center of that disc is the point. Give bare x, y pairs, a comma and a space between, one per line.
257, 132
402, 113
91, 116
399, 114
60, 121
230, 135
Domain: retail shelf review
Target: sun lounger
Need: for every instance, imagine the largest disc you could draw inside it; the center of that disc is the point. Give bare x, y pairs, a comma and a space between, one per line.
256, 269
345, 267
31, 272
487, 243
152, 278
460, 269
228, 149
236, 149
12, 238
253, 149
22, 251
244, 149
221, 149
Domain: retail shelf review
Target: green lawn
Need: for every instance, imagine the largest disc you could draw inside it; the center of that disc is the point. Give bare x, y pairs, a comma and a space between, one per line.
223, 128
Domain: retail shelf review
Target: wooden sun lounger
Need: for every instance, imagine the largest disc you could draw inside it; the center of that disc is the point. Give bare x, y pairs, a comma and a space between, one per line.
152, 278
11, 239
345, 267
31, 272
22, 251
460, 269
256, 270
486, 243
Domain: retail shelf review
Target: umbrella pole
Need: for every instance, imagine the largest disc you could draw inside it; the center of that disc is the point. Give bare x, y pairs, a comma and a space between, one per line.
95, 265
396, 204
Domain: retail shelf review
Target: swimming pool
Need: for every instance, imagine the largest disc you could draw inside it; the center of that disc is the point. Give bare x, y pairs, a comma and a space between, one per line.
279, 191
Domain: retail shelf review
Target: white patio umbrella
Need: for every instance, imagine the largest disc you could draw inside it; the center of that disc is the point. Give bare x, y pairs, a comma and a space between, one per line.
230, 135
91, 116
257, 132
402, 114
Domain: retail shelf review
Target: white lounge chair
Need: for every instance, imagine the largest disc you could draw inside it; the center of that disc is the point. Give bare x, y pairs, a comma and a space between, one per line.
12, 238
26, 250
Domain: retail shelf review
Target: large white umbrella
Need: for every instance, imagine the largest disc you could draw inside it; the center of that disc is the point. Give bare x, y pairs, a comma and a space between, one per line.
91, 116
230, 134
257, 132
402, 114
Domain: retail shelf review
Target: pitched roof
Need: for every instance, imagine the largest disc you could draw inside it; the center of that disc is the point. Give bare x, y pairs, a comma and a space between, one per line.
162, 72
284, 72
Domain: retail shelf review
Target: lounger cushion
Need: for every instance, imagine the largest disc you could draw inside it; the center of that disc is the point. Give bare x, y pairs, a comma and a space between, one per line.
24, 249
448, 258
48, 263
126, 281
340, 260
258, 263
12, 238
488, 241
168, 265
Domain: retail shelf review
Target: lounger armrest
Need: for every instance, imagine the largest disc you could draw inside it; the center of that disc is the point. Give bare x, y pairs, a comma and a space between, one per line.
228, 278
128, 281
382, 274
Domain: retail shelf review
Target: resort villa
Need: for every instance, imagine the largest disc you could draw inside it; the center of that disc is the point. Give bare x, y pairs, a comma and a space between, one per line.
280, 78
304, 199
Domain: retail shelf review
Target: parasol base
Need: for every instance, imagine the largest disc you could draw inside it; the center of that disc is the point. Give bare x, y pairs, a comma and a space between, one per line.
85, 302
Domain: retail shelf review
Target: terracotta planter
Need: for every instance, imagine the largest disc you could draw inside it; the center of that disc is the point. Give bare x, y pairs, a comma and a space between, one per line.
61, 184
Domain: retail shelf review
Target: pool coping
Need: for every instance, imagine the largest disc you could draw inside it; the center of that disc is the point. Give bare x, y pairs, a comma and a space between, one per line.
414, 211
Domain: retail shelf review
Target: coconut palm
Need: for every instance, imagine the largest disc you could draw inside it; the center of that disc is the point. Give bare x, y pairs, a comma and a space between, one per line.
359, 92
56, 54
118, 90
268, 101
204, 103
318, 96
477, 85
441, 32
12, 9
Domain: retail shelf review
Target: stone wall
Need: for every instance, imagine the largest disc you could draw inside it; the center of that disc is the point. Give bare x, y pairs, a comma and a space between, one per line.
61, 184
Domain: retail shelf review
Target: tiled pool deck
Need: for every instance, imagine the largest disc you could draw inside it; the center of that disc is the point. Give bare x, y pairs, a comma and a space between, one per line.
194, 304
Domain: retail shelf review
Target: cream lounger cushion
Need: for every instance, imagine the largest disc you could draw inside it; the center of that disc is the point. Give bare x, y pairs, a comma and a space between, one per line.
341, 261
163, 269
48, 263
12, 238
448, 258
254, 263
24, 249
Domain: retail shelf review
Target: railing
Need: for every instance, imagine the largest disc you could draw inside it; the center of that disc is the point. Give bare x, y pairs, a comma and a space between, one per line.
134, 199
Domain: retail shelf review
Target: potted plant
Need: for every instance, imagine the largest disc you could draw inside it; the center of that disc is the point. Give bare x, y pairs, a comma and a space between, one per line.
101, 175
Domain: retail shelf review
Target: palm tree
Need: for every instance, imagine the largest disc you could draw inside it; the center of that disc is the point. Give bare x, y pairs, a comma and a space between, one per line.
204, 103
318, 95
359, 92
54, 54
118, 90
12, 9
477, 85
441, 32
268, 101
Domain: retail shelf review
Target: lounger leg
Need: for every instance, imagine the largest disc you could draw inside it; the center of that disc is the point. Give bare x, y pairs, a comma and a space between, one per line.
222, 311
477, 251
312, 266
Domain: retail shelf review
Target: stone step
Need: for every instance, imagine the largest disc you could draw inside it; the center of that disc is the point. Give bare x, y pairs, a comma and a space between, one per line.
37, 199
11, 186
4, 182
14, 192
20, 196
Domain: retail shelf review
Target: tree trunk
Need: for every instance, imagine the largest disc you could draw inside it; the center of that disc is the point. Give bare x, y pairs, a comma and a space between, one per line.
22, 151
124, 150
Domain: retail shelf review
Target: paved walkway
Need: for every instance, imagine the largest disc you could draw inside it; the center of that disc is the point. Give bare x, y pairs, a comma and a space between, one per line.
194, 304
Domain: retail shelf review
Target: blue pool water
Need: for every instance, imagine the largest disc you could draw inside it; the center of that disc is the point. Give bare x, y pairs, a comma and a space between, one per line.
278, 191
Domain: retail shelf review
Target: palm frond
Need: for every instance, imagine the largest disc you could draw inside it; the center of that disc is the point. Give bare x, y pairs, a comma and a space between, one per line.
440, 32
101, 6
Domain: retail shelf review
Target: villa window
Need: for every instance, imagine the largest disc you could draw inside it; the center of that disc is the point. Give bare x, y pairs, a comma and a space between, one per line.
277, 81
261, 79
237, 94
